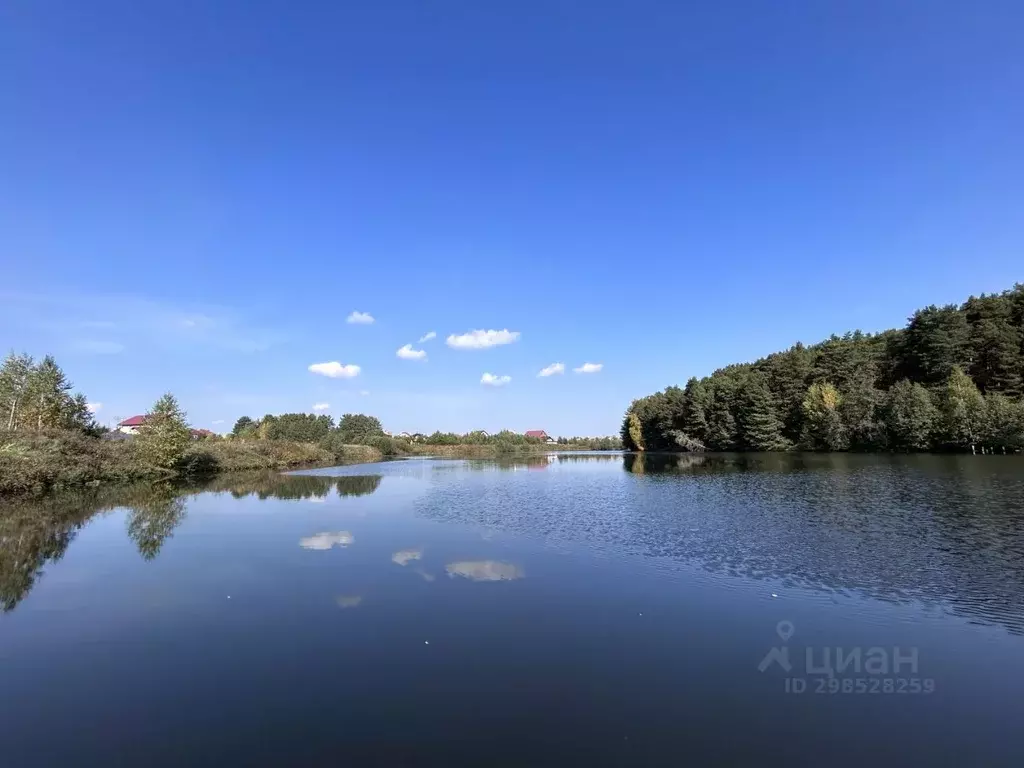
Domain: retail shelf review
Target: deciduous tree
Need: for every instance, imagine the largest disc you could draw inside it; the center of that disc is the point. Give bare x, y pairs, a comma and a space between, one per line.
909, 416
14, 386
823, 425
962, 413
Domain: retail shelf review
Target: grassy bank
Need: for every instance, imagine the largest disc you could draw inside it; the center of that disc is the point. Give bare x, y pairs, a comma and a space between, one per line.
35, 463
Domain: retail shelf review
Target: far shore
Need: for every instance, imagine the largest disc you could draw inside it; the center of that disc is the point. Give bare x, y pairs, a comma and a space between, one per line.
36, 464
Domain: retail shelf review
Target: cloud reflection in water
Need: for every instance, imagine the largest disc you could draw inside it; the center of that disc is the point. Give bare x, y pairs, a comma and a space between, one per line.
326, 540
484, 570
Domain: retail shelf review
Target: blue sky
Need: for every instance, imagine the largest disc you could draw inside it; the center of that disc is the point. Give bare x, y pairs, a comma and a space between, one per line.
195, 196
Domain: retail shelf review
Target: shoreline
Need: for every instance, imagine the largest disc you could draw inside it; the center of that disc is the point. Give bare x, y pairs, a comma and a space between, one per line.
35, 465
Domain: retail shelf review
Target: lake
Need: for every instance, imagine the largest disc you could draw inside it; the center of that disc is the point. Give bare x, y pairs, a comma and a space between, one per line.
573, 609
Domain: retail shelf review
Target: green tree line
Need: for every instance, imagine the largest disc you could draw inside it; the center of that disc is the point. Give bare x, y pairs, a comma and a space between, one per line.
360, 429
479, 437
351, 429
610, 443
950, 380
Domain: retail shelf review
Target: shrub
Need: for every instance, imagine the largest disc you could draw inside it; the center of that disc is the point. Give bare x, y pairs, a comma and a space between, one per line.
165, 437
388, 446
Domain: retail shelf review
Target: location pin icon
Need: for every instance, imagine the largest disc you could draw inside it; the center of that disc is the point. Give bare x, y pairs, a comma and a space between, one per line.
785, 630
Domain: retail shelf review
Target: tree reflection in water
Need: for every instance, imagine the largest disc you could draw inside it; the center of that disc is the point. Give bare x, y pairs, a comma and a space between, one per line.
152, 519
35, 532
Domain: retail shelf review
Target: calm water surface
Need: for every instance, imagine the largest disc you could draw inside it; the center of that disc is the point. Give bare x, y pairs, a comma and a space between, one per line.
566, 610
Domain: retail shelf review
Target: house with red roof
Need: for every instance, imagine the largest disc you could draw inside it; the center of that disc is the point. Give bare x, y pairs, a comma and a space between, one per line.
131, 426
541, 434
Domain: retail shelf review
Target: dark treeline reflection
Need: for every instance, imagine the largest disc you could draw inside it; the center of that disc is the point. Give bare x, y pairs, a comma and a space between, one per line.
31, 535
513, 463
947, 530
584, 458
276, 486
719, 463
34, 533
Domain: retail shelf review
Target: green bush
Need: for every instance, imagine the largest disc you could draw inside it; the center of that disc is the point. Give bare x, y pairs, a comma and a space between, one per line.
35, 462
389, 446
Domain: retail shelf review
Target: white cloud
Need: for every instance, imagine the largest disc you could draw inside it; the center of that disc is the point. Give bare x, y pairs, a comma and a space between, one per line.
408, 353
364, 392
494, 381
321, 406
94, 407
217, 421
359, 318
335, 370
589, 368
552, 369
482, 339
428, 336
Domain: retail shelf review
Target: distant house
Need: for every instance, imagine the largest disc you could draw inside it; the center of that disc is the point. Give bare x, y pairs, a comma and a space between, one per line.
405, 435
131, 426
541, 434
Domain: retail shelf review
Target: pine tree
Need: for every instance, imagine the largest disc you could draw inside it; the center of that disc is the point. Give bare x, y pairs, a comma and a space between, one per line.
909, 416
995, 344
823, 427
165, 437
839, 358
695, 406
760, 427
936, 341
722, 430
788, 374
